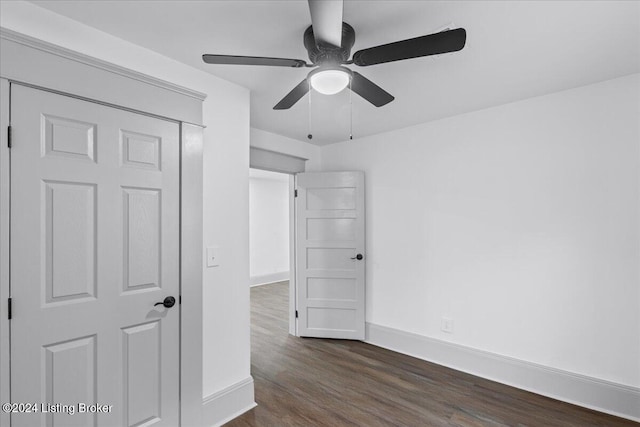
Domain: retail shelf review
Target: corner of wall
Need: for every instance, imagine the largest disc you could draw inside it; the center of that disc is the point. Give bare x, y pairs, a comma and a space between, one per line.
231, 402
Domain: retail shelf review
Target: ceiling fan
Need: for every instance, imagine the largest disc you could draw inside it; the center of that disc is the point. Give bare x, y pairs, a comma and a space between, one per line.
329, 41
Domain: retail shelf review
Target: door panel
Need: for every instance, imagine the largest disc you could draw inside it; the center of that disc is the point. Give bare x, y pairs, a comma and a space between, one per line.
142, 232
70, 240
336, 229
331, 199
142, 372
69, 138
70, 370
331, 289
94, 244
329, 259
329, 235
140, 151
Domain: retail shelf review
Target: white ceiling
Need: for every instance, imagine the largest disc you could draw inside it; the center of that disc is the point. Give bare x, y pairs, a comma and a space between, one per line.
514, 50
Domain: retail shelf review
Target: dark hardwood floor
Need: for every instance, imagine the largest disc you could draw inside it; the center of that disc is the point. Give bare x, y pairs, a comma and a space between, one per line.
320, 382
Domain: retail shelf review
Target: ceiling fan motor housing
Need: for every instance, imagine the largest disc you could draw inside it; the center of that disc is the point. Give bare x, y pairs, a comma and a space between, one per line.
326, 53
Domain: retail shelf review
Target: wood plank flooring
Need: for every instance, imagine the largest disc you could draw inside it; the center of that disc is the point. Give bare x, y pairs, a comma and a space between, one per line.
320, 382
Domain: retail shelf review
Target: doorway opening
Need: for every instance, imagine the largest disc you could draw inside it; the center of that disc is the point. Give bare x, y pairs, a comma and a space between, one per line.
270, 246
326, 297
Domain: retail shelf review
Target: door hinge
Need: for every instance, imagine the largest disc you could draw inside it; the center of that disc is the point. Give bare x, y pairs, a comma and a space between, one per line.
295, 193
9, 136
296, 314
9, 309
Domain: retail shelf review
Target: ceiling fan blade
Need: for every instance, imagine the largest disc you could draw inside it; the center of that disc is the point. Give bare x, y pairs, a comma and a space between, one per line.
369, 90
253, 60
432, 44
294, 96
326, 20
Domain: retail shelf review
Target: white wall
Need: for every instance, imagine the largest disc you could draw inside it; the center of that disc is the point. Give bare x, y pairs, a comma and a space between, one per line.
227, 349
226, 160
268, 227
282, 144
520, 222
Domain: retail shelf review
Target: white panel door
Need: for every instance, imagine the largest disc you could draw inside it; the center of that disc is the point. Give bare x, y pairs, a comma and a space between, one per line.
94, 245
330, 262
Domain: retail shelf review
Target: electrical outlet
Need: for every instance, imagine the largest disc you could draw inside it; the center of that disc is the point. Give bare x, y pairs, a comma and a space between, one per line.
213, 256
447, 325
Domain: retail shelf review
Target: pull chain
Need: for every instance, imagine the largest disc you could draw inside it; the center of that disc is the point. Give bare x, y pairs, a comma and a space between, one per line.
350, 110
309, 135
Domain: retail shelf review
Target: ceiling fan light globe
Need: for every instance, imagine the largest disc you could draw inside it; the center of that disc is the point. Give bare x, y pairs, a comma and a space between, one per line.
330, 82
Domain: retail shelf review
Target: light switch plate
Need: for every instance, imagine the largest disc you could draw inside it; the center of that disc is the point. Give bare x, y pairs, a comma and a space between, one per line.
213, 256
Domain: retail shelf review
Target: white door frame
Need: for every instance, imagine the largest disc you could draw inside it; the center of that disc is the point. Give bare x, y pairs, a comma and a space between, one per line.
293, 324
190, 342
191, 256
293, 296
4, 249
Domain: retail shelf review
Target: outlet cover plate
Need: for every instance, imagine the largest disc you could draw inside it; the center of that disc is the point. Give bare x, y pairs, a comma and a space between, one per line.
213, 256
447, 325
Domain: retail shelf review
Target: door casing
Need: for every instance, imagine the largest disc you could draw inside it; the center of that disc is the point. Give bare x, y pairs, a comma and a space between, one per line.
293, 289
70, 72
4, 249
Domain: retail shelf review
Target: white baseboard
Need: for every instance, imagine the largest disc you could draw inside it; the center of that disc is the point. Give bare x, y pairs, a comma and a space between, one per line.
223, 406
265, 279
593, 393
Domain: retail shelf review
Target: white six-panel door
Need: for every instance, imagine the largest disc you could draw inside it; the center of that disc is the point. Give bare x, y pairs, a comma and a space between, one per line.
94, 244
330, 264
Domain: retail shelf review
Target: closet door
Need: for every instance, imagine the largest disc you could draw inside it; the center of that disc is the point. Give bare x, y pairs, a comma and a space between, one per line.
94, 247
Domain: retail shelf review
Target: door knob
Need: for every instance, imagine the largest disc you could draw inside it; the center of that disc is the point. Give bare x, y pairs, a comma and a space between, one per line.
358, 257
168, 302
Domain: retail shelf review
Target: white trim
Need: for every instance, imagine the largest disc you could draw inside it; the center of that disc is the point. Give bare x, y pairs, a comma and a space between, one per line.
5, 372
77, 78
44, 46
265, 279
273, 161
191, 224
293, 324
593, 393
230, 402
